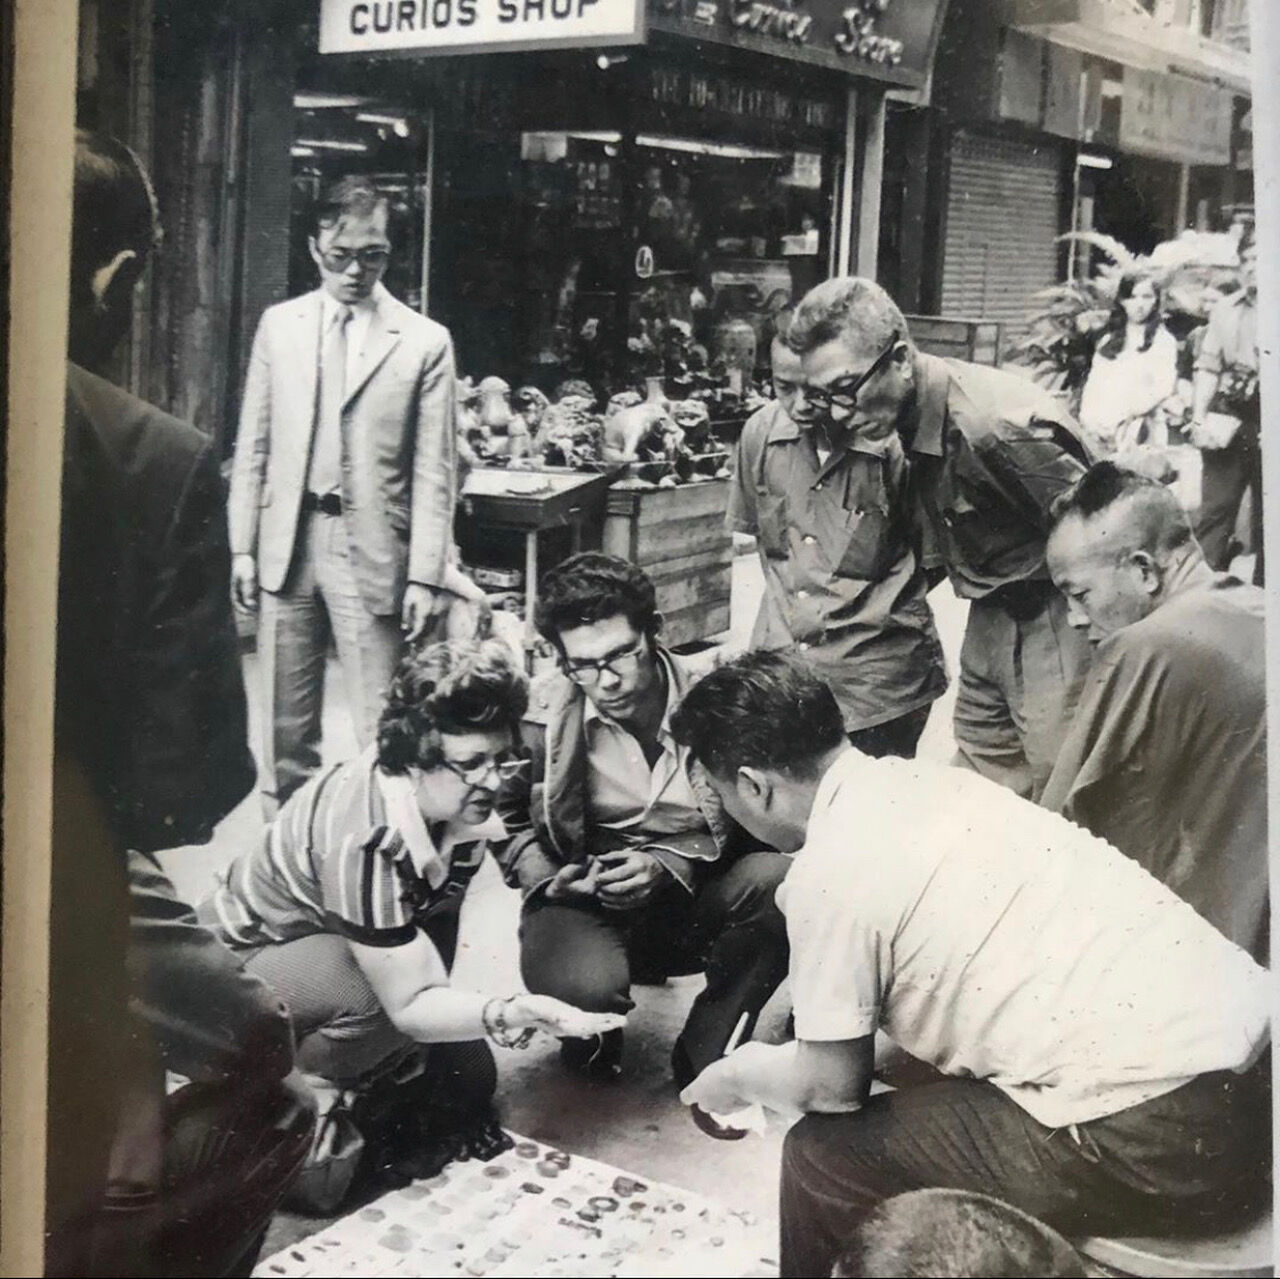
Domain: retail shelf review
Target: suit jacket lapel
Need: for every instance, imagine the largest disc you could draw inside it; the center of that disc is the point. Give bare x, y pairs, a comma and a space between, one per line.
381, 340
307, 334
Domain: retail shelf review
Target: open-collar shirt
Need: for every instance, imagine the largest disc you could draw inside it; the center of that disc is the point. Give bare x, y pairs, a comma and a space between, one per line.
843, 582
348, 854
628, 795
999, 941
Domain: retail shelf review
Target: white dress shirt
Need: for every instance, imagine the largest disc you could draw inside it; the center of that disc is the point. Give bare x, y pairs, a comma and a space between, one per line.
999, 941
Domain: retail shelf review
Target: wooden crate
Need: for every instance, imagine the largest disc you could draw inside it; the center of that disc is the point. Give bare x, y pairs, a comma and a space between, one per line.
678, 537
978, 341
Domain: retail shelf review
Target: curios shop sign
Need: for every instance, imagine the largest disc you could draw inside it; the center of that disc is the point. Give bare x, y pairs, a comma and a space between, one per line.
419, 27
890, 40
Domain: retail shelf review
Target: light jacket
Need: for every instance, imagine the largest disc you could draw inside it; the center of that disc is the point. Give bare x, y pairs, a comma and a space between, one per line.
399, 448
549, 816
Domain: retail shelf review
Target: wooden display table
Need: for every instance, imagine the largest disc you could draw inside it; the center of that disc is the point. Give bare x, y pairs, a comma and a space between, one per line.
530, 502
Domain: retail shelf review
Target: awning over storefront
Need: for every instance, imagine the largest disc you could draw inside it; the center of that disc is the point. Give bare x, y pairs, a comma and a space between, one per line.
1121, 32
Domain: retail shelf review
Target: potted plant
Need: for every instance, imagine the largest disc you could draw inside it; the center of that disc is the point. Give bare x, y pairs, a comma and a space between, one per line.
1191, 271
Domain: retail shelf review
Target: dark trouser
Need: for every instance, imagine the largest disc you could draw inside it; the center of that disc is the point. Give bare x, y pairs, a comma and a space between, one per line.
343, 1033
230, 1153
1181, 1161
1020, 679
583, 953
88, 1018
1226, 475
898, 736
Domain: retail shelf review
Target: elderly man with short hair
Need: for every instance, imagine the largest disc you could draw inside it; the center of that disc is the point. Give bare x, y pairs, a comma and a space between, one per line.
843, 582
1167, 756
988, 452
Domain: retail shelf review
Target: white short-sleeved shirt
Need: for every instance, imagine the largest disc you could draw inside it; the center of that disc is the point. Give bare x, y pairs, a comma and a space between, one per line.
998, 940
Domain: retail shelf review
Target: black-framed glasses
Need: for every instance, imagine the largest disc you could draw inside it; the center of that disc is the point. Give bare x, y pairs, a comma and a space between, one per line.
340, 259
475, 771
621, 665
843, 394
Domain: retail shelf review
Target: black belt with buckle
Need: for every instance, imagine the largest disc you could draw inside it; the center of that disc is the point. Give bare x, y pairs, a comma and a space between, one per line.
329, 504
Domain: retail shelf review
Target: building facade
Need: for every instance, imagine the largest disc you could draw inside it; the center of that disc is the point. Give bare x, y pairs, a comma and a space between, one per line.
1129, 117
556, 178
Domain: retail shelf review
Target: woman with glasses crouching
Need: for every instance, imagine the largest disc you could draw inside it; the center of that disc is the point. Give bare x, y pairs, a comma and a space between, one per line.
349, 908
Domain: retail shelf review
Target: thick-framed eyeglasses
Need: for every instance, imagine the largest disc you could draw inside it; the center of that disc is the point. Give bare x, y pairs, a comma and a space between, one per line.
370, 259
473, 772
843, 394
620, 665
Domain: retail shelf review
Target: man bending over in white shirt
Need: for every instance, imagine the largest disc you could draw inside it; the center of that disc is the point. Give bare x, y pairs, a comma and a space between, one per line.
1104, 1044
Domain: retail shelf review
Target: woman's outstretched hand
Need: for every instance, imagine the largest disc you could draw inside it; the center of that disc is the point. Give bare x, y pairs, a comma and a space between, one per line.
542, 1012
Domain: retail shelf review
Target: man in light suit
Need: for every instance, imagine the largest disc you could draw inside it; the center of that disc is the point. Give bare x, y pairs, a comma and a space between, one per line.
343, 486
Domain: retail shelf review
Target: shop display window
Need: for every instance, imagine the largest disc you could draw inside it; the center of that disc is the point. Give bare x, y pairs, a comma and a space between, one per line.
572, 193
664, 257
727, 236
652, 260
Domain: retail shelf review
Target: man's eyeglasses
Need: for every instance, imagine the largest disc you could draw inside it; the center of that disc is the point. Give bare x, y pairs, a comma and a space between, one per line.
620, 665
475, 771
340, 259
843, 394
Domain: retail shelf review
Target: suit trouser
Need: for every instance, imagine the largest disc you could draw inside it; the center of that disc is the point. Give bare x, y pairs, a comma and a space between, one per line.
583, 953
898, 737
1193, 1158
321, 599
1019, 685
196, 1175
1225, 476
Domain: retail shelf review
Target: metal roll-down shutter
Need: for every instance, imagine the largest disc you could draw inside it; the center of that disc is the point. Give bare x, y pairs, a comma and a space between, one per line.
1003, 209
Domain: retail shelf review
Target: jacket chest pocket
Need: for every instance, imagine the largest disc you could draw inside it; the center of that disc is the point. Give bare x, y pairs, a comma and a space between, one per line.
772, 512
862, 542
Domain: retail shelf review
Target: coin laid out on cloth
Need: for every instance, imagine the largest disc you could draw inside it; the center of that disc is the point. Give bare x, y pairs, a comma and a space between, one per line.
574, 1218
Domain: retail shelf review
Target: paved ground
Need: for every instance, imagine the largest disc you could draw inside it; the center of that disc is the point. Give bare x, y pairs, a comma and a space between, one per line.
636, 1123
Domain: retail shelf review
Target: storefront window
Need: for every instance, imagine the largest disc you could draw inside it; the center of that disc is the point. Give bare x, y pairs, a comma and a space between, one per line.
643, 249
732, 235
715, 240
572, 191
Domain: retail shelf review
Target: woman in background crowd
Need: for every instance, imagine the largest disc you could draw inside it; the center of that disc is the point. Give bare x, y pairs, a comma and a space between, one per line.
1134, 370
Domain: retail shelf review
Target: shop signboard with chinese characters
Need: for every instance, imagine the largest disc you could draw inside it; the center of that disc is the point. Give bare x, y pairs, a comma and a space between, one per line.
891, 40
419, 27
1175, 118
